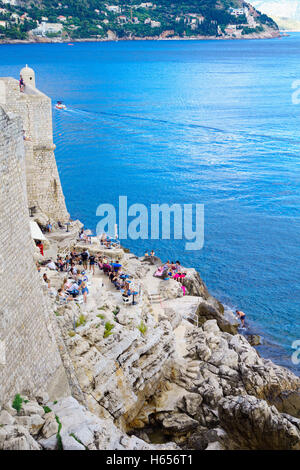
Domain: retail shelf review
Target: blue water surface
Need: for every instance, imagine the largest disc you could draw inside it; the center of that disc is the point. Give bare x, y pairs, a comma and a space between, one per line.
208, 122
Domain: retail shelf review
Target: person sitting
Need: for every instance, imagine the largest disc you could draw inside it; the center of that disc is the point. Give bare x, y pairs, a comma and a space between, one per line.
25, 137
116, 266
100, 262
61, 296
116, 282
73, 290
47, 280
40, 246
159, 271
60, 264
51, 265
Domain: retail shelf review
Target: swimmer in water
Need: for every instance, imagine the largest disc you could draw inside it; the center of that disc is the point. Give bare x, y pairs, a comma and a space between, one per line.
242, 317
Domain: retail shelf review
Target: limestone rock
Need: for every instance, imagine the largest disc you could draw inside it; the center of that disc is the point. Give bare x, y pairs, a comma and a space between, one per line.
36, 423
254, 425
209, 309
50, 427
17, 438
70, 443
177, 423
6, 418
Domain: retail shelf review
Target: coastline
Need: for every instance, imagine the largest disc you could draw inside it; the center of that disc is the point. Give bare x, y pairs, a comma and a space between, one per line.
154, 38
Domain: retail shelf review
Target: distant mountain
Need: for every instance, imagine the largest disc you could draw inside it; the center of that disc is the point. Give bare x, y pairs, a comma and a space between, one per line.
286, 13
64, 20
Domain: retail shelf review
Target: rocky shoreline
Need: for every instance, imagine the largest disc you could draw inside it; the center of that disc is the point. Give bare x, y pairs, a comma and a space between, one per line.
191, 385
113, 38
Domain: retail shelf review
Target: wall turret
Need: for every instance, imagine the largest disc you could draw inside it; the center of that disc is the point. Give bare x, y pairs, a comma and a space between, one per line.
44, 192
28, 76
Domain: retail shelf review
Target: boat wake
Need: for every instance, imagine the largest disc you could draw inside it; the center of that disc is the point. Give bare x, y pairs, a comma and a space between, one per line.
97, 116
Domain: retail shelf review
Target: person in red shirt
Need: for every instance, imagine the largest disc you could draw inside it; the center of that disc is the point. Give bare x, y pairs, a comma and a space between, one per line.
41, 247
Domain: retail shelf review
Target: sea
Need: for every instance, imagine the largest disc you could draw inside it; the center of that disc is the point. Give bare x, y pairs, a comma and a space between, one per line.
190, 122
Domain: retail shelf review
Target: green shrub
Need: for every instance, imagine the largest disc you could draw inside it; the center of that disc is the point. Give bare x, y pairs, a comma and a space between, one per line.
108, 327
72, 333
142, 327
116, 310
47, 409
58, 436
81, 320
100, 315
17, 403
78, 440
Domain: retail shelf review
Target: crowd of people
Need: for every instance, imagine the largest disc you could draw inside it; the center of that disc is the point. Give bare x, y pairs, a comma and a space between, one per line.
76, 265
170, 270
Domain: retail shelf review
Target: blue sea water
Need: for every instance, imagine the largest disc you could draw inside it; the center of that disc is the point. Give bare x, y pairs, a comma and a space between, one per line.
208, 122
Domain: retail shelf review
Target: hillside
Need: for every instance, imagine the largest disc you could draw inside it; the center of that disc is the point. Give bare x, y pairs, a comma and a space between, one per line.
285, 12
110, 19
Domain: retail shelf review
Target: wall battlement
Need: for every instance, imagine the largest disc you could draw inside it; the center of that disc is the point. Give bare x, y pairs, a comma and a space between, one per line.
42, 179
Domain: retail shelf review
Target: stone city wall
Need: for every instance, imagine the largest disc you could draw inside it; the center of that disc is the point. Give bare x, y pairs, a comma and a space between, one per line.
30, 359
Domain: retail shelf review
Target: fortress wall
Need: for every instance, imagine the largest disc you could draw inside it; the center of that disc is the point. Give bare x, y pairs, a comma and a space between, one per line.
43, 183
32, 360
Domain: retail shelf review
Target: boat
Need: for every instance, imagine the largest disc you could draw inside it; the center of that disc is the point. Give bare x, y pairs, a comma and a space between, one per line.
60, 105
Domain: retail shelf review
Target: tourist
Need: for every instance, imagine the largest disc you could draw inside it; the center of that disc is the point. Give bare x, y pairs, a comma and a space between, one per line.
49, 226
60, 264
47, 280
72, 289
21, 84
84, 257
25, 137
61, 296
242, 317
92, 263
40, 246
51, 265
84, 291
116, 266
